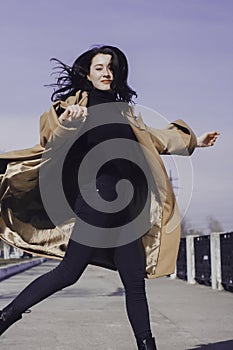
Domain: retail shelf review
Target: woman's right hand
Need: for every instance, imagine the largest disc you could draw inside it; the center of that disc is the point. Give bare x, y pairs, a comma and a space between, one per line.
73, 112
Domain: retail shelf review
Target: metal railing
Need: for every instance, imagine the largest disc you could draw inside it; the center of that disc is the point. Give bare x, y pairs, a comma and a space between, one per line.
207, 260
8, 252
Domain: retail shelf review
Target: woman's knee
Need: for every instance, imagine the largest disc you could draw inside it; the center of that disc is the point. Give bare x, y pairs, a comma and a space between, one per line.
66, 276
134, 285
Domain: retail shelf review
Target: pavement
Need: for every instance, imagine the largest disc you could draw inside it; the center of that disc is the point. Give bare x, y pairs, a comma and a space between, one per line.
91, 315
14, 268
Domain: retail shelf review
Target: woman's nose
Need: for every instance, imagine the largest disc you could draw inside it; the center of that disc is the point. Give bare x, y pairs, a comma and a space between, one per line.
107, 72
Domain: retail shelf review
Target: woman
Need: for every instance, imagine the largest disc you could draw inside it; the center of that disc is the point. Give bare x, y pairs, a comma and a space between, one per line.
97, 77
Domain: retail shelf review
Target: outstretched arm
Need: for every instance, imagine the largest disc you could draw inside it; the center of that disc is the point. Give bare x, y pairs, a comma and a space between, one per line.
177, 138
207, 139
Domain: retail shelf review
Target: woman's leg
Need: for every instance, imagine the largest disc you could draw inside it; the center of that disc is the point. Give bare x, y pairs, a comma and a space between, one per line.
69, 270
130, 261
65, 274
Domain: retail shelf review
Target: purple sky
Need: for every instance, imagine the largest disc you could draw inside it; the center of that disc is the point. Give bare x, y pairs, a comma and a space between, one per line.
180, 54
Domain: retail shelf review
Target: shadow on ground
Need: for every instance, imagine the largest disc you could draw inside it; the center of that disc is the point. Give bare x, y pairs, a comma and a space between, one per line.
74, 292
223, 345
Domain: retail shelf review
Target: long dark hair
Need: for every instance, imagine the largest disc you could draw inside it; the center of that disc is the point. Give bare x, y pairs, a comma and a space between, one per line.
71, 79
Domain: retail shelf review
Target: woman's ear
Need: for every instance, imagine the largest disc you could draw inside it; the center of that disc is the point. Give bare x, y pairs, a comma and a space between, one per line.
88, 77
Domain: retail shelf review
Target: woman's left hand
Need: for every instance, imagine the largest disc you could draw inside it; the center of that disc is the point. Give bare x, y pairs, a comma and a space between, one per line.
207, 139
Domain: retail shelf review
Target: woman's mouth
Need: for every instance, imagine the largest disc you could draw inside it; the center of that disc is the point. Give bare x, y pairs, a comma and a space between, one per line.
106, 81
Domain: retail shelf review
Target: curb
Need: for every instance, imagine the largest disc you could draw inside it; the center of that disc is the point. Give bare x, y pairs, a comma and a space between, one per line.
13, 269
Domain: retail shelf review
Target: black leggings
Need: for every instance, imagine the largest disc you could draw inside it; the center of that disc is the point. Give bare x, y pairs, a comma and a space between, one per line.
131, 267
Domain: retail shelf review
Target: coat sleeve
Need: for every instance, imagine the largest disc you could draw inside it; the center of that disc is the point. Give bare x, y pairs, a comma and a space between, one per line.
177, 138
50, 127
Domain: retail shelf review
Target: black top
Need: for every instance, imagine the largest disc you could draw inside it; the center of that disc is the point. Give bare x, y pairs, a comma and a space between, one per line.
96, 97
117, 128
114, 169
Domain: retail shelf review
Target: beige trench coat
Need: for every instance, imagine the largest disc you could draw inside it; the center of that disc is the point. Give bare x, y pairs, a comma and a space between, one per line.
22, 216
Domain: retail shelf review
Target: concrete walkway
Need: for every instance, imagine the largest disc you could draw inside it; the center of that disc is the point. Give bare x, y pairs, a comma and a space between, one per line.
91, 315
9, 270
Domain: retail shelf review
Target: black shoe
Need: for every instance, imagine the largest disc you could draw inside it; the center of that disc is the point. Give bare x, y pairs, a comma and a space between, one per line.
8, 316
146, 344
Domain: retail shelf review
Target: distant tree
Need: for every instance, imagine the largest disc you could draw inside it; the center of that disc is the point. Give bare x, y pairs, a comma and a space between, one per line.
184, 227
214, 225
195, 232
187, 230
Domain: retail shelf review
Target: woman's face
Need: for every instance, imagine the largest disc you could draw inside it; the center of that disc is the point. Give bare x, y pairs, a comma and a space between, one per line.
100, 73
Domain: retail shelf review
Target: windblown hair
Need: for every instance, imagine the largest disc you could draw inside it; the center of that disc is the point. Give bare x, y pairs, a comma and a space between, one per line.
71, 79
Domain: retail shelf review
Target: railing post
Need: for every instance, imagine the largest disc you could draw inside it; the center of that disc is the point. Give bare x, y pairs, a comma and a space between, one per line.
215, 251
190, 260
6, 251
17, 253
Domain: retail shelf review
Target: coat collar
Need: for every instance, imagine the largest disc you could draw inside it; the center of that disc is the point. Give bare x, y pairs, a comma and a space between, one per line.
81, 98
